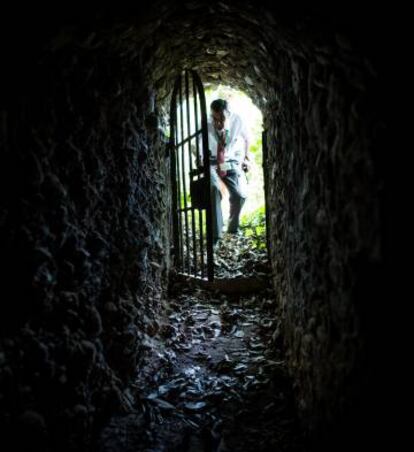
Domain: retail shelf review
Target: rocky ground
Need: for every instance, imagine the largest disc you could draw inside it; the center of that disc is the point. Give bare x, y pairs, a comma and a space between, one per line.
216, 380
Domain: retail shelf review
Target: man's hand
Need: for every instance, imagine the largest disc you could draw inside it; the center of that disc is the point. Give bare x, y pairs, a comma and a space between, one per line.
246, 165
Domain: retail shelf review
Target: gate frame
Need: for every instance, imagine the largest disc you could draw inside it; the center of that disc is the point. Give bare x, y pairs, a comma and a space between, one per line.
174, 146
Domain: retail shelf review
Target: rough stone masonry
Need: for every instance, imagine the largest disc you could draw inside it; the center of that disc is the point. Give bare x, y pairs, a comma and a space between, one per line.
85, 219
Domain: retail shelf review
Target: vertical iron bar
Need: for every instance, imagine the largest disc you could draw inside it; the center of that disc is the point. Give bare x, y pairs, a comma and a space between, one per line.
179, 214
178, 182
173, 175
206, 161
190, 132
187, 240
178, 176
266, 186
200, 214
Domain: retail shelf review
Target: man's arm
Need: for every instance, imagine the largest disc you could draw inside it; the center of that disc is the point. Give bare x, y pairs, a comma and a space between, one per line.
246, 163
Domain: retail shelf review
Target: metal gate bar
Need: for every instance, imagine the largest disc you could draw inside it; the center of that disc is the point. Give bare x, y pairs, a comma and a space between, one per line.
193, 247
200, 212
176, 227
183, 201
187, 96
206, 166
265, 166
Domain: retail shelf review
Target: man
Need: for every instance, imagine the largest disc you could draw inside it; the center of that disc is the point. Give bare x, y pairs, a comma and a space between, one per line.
228, 140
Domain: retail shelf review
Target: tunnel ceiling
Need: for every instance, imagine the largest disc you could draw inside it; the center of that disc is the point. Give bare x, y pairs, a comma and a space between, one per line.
86, 232
235, 43
239, 43
225, 44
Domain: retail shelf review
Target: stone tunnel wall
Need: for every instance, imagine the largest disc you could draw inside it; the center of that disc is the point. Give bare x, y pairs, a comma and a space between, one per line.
85, 201
326, 144
84, 236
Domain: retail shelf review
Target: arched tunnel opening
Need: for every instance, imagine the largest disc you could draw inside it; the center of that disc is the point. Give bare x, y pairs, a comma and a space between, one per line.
94, 351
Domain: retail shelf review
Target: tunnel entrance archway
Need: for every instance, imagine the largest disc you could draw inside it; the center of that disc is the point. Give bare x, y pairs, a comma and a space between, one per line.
254, 213
190, 179
192, 204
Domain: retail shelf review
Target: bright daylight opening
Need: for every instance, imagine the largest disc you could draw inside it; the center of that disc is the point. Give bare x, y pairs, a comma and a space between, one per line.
238, 228
253, 213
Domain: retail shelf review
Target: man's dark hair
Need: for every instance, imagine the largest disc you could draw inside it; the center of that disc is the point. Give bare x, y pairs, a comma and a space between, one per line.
219, 105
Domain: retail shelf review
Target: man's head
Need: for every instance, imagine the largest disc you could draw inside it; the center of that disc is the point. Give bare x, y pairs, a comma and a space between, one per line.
219, 108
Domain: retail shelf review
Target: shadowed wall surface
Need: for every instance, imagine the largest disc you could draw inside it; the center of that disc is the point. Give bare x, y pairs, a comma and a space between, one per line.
85, 199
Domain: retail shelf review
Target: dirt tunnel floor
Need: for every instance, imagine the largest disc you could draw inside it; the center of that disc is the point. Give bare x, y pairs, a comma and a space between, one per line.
219, 383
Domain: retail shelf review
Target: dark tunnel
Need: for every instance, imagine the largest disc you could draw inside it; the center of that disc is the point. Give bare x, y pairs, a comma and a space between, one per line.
86, 204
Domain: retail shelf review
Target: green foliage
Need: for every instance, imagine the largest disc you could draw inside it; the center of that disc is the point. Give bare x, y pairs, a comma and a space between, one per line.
253, 225
256, 145
253, 220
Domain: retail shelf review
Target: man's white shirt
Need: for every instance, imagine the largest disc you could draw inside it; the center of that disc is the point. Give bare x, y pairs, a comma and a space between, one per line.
238, 134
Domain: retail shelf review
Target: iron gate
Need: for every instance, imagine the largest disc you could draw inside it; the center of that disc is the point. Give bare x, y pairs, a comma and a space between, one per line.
190, 179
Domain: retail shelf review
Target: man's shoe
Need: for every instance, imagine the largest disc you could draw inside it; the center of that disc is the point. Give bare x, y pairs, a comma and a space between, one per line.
216, 243
236, 233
